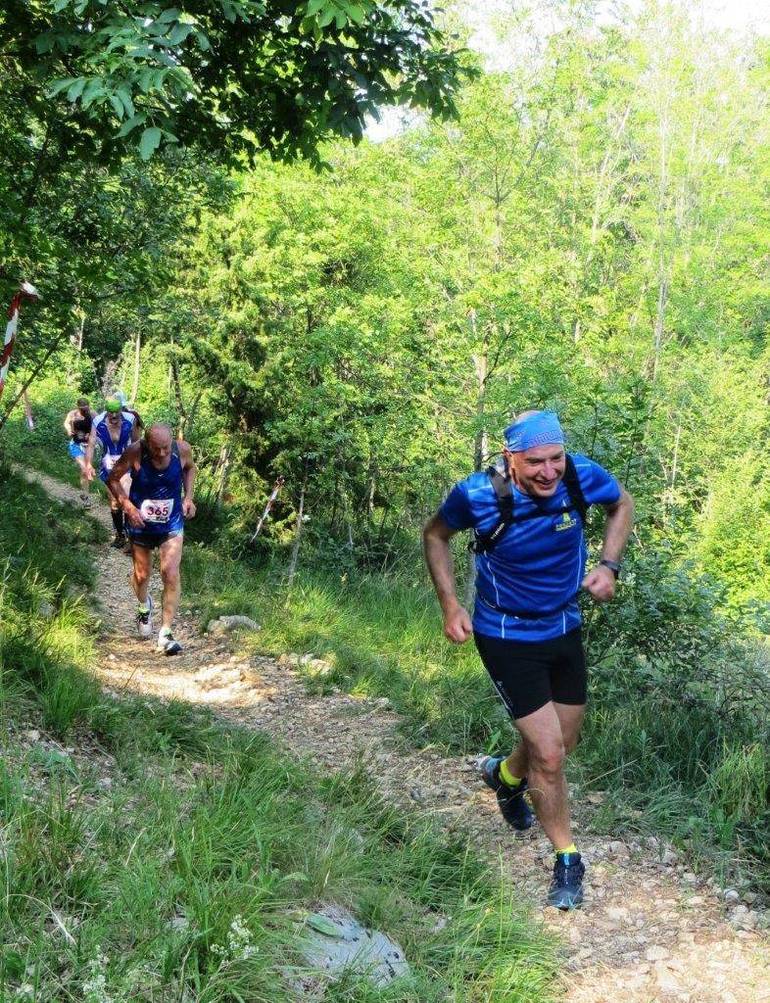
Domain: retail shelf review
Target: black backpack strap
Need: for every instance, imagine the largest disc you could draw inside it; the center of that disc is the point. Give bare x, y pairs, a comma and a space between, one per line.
484, 542
574, 490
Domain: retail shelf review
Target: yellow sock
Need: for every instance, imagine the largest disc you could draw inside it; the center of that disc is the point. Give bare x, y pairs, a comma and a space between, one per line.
507, 777
568, 849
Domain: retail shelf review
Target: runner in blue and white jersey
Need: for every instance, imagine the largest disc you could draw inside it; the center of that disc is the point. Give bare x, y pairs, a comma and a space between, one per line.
112, 432
531, 563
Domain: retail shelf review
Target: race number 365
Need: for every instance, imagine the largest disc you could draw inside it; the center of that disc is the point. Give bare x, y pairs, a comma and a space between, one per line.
157, 509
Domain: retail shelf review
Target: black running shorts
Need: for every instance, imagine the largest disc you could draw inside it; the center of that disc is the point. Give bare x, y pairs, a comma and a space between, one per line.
528, 676
152, 540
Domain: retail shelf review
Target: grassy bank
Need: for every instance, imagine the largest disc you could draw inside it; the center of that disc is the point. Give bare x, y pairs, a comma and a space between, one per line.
151, 855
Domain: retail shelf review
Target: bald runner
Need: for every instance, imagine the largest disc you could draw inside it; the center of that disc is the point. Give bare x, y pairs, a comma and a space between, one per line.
159, 499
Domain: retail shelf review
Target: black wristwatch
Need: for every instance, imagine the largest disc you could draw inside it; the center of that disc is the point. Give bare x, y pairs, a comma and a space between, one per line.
612, 565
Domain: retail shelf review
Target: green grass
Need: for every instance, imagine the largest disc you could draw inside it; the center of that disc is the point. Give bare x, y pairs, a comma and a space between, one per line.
44, 448
150, 854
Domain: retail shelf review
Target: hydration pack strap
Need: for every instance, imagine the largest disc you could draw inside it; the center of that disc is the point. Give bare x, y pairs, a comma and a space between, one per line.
483, 543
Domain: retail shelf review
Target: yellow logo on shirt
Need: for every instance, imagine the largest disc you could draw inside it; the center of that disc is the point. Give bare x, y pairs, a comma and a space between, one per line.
567, 521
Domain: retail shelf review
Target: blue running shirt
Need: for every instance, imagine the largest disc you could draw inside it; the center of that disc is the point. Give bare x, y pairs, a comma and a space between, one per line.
539, 563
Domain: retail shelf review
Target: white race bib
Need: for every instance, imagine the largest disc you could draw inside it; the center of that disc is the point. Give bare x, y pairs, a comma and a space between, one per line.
157, 509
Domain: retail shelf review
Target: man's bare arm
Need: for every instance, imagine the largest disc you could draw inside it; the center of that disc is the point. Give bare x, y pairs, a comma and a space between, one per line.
68, 422
90, 445
600, 581
617, 529
438, 557
121, 468
189, 471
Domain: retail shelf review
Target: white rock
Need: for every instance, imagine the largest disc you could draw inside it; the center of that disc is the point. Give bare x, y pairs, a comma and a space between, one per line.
334, 941
227, 624
656, 953
731, 895
617, 848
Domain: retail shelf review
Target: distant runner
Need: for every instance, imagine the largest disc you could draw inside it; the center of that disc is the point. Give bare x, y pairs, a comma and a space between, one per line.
113, 430
160, 498
127, 409
77, 425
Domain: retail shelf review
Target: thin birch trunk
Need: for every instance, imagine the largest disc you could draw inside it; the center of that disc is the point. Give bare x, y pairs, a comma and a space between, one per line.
137, 361
480, 446
223, 469
297, 530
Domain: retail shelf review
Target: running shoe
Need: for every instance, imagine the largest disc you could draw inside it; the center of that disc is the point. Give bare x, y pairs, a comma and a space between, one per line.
144, 618
167, 643
566, 891
118, 543
511, 801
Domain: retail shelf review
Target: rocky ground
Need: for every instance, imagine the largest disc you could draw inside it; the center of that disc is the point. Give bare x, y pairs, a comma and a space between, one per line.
651, 930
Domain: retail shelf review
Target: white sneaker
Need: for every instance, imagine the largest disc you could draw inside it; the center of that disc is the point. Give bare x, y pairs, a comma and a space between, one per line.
167, 643
144, 619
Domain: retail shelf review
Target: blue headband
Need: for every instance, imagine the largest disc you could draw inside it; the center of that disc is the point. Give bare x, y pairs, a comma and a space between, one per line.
539, 429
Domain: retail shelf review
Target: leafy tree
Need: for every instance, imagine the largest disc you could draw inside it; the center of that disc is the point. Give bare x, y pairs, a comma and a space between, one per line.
234, 76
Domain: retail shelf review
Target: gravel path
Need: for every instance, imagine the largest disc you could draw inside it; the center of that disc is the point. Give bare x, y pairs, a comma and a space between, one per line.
650, 930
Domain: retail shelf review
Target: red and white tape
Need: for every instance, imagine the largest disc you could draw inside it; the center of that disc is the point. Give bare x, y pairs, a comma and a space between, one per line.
26, 291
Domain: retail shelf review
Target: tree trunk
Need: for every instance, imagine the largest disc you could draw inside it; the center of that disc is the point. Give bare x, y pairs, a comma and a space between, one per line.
298, 530
660, 318
480, 445
137, 360
223, 468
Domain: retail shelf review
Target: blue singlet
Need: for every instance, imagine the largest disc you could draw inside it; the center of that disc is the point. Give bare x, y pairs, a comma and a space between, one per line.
158, 495
539, 563
112, 451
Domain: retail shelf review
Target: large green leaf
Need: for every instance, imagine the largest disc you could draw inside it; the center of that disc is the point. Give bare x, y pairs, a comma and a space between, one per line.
149, 142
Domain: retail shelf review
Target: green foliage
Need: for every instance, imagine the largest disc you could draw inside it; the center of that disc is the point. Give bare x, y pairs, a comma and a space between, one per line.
229, 77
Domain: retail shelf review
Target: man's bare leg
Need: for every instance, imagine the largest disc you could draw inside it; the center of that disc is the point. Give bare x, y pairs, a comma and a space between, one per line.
85, 484
570, 718
170, 560
544, 740
140, 576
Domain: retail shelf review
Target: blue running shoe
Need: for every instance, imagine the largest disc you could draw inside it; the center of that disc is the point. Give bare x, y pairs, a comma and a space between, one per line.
566, 891
510, 800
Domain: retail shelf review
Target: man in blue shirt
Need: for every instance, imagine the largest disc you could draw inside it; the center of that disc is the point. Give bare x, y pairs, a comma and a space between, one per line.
530, 565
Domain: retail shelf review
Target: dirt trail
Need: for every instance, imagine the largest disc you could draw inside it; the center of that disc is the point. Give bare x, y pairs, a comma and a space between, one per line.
650, 929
